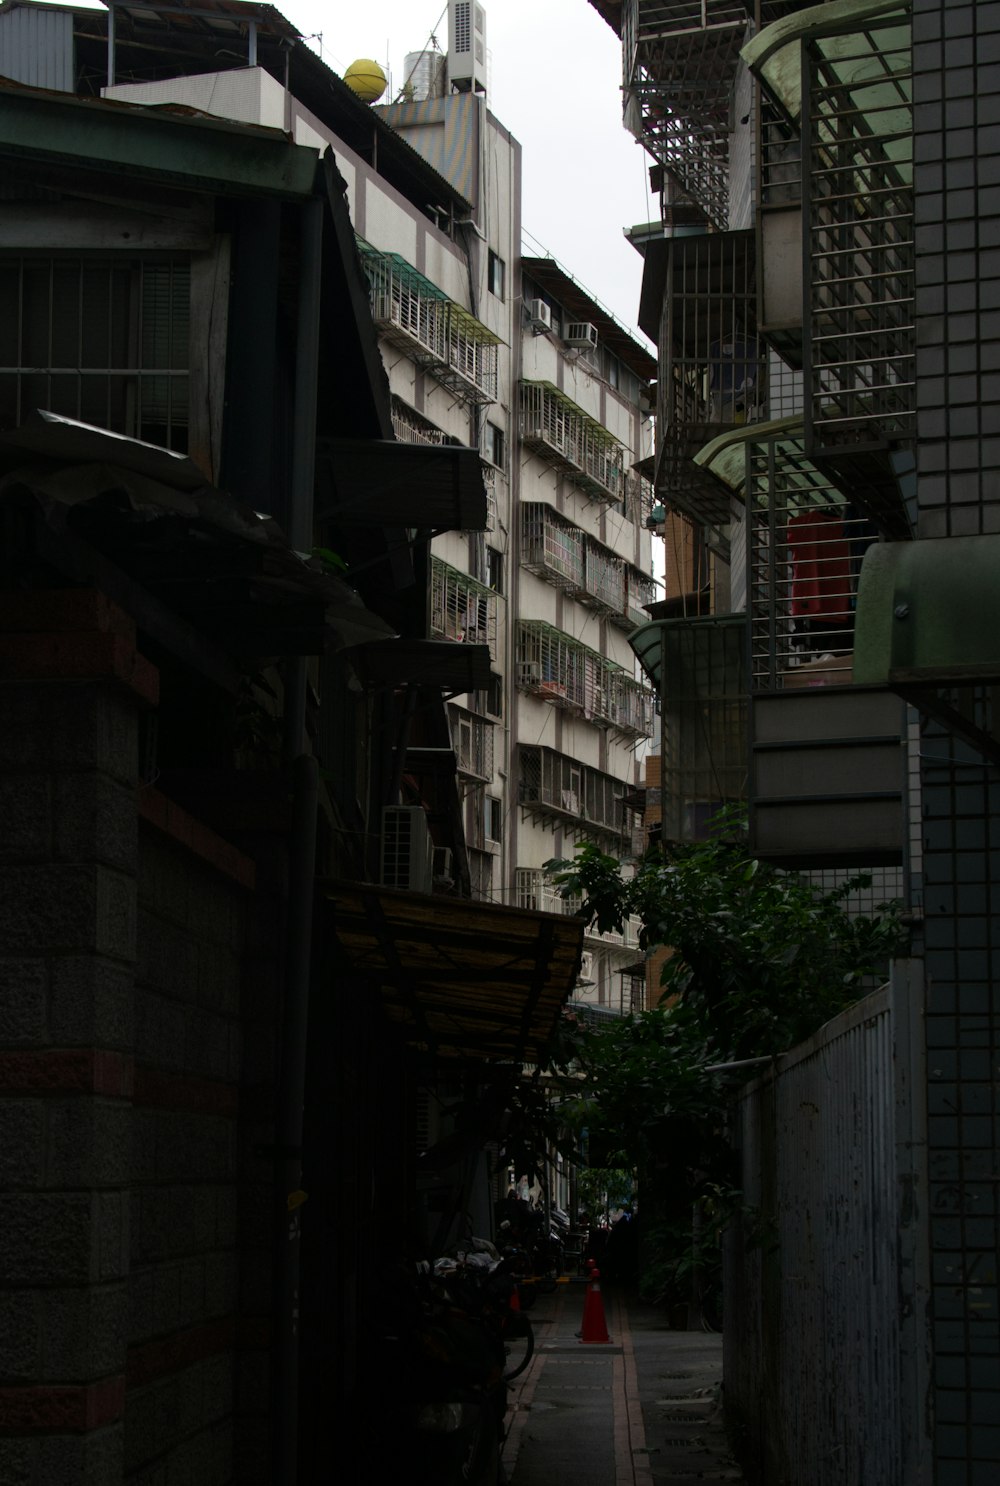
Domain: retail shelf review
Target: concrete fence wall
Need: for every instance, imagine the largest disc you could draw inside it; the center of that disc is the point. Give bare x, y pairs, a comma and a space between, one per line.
816, 1321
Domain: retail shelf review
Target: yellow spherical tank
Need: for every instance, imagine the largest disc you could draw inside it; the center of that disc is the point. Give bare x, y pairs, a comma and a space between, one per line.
366, 79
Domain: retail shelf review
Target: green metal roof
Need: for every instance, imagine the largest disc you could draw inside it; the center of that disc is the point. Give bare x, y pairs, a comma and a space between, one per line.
862, 42
725, 456
928, 613
154, 143
648, 640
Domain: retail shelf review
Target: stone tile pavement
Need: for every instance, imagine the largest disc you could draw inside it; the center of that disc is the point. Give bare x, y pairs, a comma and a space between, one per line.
643, 1410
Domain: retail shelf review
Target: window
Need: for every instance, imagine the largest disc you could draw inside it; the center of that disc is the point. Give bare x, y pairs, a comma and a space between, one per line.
493, 818
496, 275
100, 339
494, 569
495, 446
492, 697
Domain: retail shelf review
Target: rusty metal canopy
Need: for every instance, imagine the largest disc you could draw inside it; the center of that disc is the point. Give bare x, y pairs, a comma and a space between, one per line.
459, 980
381, 482
454, 667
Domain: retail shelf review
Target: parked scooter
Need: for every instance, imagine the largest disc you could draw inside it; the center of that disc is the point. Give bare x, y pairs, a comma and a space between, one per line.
449, 1359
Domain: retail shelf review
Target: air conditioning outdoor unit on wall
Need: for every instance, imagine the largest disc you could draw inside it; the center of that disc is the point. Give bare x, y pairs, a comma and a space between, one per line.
540, 315
407, 851
581, 333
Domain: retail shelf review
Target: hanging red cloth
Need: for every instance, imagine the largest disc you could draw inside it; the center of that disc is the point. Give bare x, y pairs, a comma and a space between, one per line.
821, 565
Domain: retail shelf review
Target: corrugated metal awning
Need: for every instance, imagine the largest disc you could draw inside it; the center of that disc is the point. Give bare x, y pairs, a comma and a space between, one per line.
459, 980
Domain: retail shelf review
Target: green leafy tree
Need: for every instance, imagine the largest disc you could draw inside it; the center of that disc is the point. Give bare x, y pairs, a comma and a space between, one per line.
759, 959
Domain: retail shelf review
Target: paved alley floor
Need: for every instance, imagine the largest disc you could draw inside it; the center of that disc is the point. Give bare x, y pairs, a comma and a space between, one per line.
640, 1411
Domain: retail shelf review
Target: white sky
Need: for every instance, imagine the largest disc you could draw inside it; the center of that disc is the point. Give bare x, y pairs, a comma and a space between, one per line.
555, 83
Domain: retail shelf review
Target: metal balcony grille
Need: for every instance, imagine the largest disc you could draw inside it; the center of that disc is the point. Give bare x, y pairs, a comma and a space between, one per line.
680, 59
857, 125
411, 428
438, 334
551, 547
806, 542
572, 442
461, 608
561, 670
472, 739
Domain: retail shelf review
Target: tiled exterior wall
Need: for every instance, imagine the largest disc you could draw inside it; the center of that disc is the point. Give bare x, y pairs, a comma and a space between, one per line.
956, 58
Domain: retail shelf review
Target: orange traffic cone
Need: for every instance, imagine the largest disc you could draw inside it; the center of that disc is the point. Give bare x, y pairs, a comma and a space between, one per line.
595, 1328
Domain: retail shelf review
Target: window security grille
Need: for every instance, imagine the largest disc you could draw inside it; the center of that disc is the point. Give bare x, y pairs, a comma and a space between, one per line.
704, 723
551, 547
604, 579
472, 739
102, 340
806, 543
552, 665
435, 332
533, 890
572, 441
858, 159
461, 608
552, 784
639, 591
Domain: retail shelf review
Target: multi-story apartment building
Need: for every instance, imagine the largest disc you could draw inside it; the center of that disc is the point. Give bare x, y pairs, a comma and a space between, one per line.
513, 357
823, 296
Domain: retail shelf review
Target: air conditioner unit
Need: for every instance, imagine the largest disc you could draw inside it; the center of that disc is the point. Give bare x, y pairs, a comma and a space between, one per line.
586, 976
529, 673
540, 315
443, 871
466, 46
406, 848
581, 333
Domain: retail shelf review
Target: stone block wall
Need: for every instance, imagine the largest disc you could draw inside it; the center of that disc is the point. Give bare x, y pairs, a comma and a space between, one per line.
122, 935
193, 892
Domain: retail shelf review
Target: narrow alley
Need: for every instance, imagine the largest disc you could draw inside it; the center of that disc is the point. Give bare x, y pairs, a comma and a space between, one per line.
643, 1408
